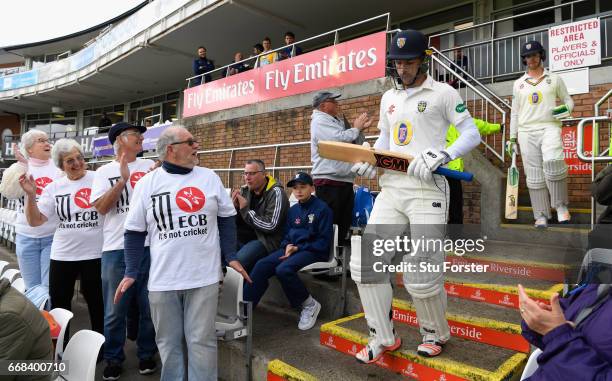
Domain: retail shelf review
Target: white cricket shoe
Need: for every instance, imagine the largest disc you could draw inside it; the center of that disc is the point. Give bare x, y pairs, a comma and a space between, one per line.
541, 222
374, 350
431, 346
308, 316
563, 214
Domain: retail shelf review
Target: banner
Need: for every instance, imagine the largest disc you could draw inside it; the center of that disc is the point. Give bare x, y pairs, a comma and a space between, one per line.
103, 147
570, 145
26, 78
574, 45
353, 61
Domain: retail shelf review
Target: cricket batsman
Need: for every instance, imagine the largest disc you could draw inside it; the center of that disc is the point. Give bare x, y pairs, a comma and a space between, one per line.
414, 119
535, 119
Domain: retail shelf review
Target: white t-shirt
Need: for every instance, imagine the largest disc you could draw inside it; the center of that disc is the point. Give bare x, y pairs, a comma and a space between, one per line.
106, 177
78, 235
533, 101
179, 212
418, 119
43, 176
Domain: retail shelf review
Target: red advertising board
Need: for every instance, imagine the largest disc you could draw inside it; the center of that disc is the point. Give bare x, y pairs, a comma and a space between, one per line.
353, 61
570, 145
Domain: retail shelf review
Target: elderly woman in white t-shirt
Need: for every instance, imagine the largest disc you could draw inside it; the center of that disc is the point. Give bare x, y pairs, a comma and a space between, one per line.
77, 244
32, 244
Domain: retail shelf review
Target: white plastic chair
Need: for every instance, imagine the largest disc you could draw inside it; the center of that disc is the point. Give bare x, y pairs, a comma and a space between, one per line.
81, 353
3, 264
62, 317
228, 311
10, 274
331, 265
19, 285
532, 364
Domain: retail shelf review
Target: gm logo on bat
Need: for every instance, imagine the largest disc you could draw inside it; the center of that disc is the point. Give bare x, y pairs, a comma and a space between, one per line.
390, 162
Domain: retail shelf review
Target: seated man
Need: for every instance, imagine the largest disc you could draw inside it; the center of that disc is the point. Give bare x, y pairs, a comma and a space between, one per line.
308, 235
24, 332
262, 207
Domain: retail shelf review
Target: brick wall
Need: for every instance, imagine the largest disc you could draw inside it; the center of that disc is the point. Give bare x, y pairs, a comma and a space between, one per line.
293, 125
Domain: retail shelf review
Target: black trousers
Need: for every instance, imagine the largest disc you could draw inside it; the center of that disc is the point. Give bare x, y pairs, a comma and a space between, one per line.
340, 198
455, 208
63, 275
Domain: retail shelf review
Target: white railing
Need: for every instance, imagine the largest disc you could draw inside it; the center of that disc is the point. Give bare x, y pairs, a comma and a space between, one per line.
133, 32
491, 57
254, 60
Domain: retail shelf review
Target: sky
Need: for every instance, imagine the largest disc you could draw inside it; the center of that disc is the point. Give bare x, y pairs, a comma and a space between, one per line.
25, 21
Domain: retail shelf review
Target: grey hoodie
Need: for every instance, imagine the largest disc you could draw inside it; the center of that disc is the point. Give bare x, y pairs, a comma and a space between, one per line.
325, 127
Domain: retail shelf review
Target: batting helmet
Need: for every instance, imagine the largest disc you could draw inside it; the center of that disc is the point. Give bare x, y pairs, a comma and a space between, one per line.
408, 44
531, 47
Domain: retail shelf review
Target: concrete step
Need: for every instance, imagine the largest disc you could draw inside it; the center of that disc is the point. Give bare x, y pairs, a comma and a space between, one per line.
281, 371
461, 359
276, 336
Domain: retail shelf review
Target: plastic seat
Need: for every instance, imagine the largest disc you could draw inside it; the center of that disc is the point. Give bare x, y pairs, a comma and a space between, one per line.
10, 274
81, 353
228, 311
532, 364
19, 285
3, 264
62, 317
331, 266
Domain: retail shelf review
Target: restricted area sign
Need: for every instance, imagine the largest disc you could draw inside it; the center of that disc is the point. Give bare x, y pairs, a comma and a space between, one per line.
574, 45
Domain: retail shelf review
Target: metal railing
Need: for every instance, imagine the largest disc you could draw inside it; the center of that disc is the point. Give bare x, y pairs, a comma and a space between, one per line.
490, 57
255, 59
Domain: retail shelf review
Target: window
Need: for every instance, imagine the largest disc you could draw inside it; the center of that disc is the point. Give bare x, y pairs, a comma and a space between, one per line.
581, 10
536, 20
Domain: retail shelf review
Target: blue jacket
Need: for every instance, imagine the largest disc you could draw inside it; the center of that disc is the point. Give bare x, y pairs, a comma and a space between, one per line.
584, 353
309, 226
201, 66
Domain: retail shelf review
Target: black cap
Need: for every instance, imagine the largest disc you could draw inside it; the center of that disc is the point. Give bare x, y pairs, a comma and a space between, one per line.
300, 177
118, 128
322, 97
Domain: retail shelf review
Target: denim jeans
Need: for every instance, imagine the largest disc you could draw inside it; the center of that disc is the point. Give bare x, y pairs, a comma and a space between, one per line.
113, 270
186, 316
33, 258
249, 253
287, 273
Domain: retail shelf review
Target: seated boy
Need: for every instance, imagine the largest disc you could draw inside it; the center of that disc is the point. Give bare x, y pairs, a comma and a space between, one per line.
308, 235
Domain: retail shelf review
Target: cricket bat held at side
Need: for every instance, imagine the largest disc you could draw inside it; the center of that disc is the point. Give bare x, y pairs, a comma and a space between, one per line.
394, 161
512, 188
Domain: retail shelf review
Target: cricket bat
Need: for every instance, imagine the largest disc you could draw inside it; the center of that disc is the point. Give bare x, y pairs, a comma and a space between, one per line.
512, 187
394, 161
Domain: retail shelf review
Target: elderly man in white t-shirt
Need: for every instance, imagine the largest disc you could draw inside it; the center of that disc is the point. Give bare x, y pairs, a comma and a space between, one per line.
190, 220
111, 193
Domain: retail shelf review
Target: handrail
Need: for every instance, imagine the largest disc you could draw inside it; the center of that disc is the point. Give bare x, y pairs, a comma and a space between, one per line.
465, 73
387, 15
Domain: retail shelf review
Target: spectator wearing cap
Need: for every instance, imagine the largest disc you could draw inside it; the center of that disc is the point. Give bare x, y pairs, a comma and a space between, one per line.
291, 50
202, 65
307, 238
333, 179
268, 56
111, 193
262, 206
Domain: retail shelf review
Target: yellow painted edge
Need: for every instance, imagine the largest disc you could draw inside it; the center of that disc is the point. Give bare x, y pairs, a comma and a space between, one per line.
445, 365
541, 294
481, 322
572, 210
517, 361
550, 228
522, 262
285, 370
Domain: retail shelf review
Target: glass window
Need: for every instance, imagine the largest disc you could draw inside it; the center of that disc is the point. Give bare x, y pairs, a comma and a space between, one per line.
170, 111
533, 20
581, 10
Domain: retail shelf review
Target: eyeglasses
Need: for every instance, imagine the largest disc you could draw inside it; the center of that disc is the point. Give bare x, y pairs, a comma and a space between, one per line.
247, 174
74, 160
42, 140
189, 142
138, 134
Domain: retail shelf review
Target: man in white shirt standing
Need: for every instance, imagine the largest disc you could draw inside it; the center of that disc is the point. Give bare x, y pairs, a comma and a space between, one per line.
535, 119
414, 120
111, 193
190, 220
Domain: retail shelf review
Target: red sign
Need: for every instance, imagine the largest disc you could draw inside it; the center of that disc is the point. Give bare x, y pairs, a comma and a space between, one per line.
190, 199
353, 61
134, 177
570, 145
81, 198
41, 183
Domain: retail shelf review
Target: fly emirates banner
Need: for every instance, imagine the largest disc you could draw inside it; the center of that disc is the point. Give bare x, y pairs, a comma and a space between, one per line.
353, 61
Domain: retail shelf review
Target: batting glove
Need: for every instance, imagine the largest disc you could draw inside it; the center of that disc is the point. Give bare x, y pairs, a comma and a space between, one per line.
561, 112
511, 147
364, 169
428, 161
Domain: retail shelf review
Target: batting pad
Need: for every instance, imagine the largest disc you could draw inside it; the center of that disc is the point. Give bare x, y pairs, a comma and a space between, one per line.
376, 300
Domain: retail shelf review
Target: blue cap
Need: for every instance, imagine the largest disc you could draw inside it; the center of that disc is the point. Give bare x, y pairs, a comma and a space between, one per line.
322, 97
300, 177
118, 128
